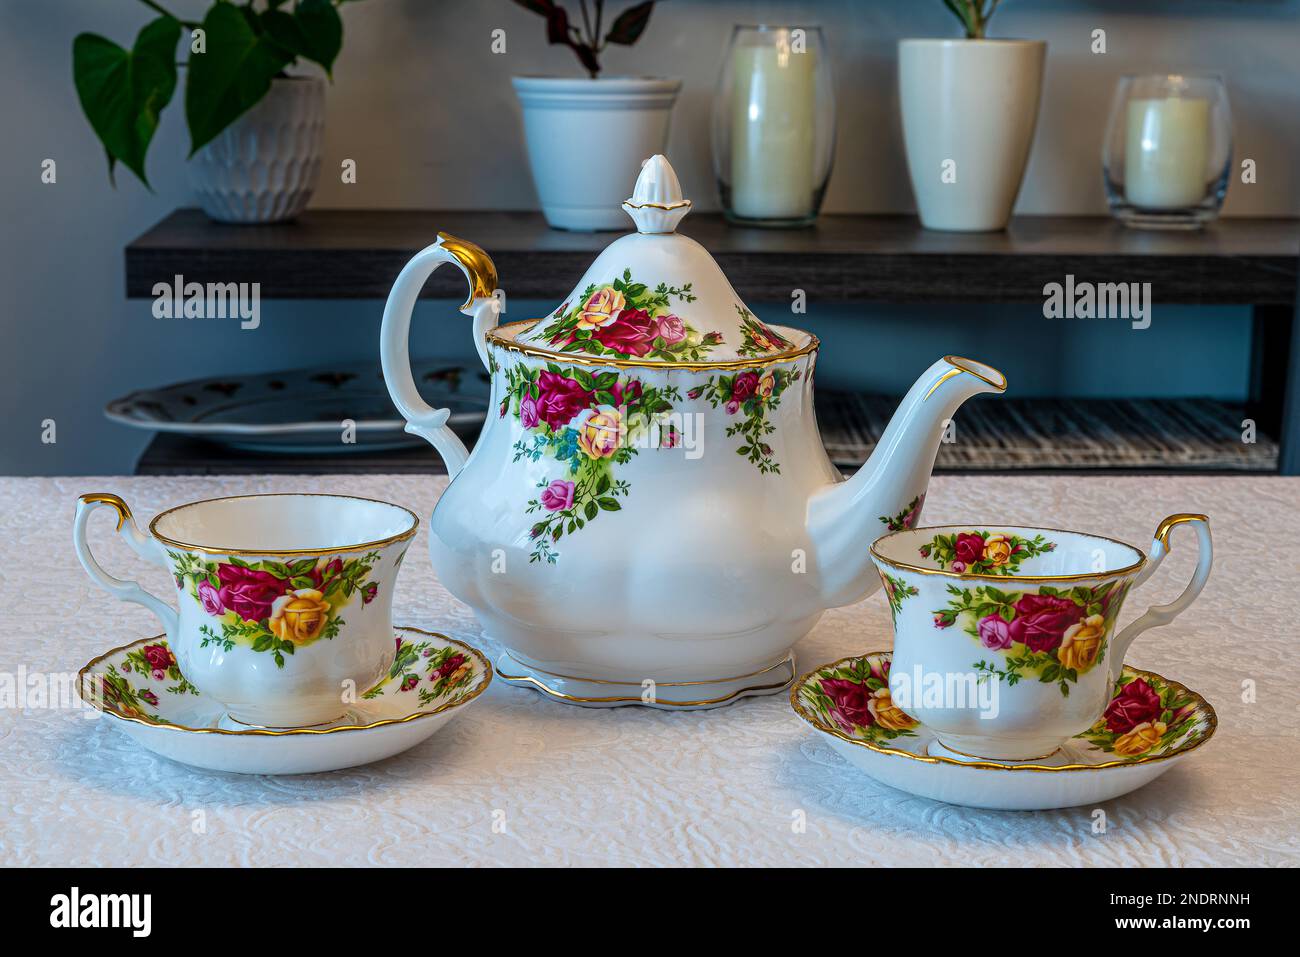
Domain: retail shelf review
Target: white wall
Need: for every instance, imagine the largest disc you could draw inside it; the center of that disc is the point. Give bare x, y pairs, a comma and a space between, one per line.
426, 110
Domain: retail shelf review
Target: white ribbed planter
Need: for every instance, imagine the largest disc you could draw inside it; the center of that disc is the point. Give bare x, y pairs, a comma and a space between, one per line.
263, 167
586, 140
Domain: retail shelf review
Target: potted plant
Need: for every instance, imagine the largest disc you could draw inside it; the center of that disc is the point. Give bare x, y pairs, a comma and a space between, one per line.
255, 131
969, 109
585, 133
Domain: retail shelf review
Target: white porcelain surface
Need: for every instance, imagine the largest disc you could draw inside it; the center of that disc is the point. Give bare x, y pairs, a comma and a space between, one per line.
588, 543
632, 786
1025, 641
389, 718
284, 602
975, 103
586, 138
264, 166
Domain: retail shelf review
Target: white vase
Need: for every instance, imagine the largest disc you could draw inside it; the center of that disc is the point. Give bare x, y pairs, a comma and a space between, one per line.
969, 110
586, 140
264, 166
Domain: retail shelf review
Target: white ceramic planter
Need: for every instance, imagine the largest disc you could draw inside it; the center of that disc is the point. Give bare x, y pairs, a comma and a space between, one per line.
975, 103
586, 140
263, 167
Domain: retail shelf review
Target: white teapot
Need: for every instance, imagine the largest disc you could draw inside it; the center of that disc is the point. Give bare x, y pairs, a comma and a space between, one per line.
649, 516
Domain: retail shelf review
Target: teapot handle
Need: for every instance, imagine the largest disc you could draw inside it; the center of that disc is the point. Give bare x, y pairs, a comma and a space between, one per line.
394, 337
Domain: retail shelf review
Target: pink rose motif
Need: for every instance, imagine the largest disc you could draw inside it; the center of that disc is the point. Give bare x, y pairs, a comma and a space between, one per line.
1041, 620
732, 407
447, 667
558, 496
160, 659
994, 632
1136, 703
712, 338
409, 682
248, 593
940, 621
625, 393
969, 549
695, 393
630, 334
528, 414
959, 567
744, 385
210, 599
148, 696
397, 641
321, 576
368, 593
505, 406
850, 703
669, 438
671, 329
560, 399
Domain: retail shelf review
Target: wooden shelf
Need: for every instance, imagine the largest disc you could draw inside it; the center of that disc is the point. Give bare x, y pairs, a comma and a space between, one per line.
356, 254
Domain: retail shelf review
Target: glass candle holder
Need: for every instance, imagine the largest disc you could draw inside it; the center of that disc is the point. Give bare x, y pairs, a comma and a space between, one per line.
774, 126
1168, 150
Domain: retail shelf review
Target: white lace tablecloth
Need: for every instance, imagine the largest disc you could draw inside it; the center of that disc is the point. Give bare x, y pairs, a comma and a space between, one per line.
636, 786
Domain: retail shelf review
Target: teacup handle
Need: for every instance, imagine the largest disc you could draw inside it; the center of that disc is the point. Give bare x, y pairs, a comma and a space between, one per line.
1158, 615
394, 337
143, 545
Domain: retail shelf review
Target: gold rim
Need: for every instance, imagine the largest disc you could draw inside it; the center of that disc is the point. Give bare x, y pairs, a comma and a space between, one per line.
985, 576
658, 684
478, 266
217, 550
106, 709
1166, 527
973, 367
497, 337
991, 765
617, 699
667, 207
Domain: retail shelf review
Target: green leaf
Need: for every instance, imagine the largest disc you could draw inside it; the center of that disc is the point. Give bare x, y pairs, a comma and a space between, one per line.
123, 93
232, 76
590, 510
313, 31
631, 23
609, 505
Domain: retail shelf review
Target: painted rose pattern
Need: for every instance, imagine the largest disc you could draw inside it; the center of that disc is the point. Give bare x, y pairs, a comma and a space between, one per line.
590, 423
1051, 634
896, 592
1147, 715
271, 606
136, 683
758, 339
435, 672
853, 698
158, 663
984, 553
625, 319
907, 518
750, 396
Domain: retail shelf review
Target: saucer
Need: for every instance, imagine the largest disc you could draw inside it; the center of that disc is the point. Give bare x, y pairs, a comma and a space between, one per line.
433, 677
1151, 724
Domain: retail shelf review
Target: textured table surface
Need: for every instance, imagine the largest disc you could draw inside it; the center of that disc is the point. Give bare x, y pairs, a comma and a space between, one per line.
634, 786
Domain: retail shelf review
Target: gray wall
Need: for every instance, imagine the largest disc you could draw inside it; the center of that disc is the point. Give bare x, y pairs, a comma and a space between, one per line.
426, 111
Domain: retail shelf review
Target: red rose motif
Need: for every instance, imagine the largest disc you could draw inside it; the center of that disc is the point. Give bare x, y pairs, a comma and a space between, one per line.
560, 399
321, 576
630, 334
368, 593
447, 667
160, 659
744, 385
409, 682
970, 548
1041, 621
849, 708
1138, 702
248, 593
625, 393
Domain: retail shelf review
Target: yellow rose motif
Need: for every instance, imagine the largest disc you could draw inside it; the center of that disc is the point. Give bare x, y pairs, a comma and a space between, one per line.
997, 550
887, 714
1140, 740
299, 616
765, 386
601, 308
602, 432
1082, 643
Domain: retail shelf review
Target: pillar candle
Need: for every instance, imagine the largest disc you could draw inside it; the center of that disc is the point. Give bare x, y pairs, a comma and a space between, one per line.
1165, 152
772, 134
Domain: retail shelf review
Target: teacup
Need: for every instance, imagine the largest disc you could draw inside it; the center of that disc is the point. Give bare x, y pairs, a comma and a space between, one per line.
284, 601
1004, 636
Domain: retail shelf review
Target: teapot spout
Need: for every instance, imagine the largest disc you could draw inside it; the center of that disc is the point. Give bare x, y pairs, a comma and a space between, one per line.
887, 492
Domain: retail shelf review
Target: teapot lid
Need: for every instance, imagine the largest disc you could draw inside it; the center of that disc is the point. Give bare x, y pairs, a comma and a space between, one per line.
658, 297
